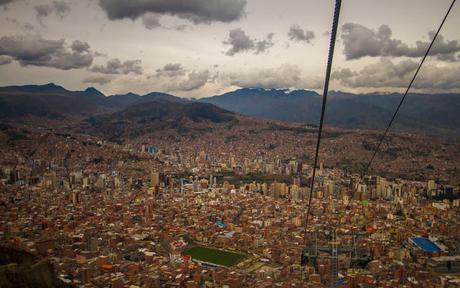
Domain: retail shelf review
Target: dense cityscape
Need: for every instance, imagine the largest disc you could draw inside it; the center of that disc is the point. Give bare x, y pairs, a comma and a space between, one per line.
133, 215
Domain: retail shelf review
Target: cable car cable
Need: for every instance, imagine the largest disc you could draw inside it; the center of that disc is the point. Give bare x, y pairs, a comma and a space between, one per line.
338, 4
377, 149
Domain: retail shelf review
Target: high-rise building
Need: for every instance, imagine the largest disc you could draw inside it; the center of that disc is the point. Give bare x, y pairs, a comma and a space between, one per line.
226, 186
76, 197
101, 181
50, 181
116, 182
154, 179
86, 182
430, 185
278, 190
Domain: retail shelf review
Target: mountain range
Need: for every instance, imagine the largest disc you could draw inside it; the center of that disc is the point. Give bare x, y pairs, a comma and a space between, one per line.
29, 113
159, 115
435, 114
56, 103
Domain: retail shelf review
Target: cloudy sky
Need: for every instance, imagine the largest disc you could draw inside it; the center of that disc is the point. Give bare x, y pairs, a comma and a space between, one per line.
199, 48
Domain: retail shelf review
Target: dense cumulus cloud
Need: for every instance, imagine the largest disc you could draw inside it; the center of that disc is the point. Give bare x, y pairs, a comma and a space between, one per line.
193, 80
264, 44
60, 8
174, 77
151, 21
240, 42
101, 80
115, 66
387, 74
80, 46
43, 11
285, 76
171, 70
197, 11
360, 41
298, 34
36, 51
5, 60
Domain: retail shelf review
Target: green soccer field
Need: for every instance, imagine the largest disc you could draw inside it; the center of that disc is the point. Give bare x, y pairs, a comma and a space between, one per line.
214, 256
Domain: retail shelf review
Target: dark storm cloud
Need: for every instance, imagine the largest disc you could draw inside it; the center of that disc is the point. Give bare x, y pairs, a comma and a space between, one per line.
36, 51
194, 80
360, 41
170, 70
298, 34
197, 11
386, 74
4, 2
240, 42
101, 80
5, 60
115, 66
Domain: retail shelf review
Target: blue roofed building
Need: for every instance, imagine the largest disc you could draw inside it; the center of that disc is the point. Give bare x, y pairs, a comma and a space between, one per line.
425, 244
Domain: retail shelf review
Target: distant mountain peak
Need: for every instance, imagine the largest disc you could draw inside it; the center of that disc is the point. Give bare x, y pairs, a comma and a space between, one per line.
131, 94
45, 88
51, 84
93, 92
163, 96
265, 93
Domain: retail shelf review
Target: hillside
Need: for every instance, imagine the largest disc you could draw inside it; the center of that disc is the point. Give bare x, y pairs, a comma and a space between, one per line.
51, 103
434, 114
421, 113
157, 115
128, 99
22, 269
